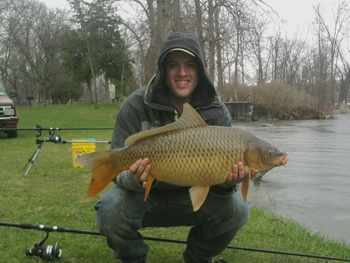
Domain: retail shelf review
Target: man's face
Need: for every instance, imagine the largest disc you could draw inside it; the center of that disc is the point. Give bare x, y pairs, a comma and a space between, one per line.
181, 73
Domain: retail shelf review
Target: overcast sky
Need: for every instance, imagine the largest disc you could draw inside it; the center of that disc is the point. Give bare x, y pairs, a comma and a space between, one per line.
296, 14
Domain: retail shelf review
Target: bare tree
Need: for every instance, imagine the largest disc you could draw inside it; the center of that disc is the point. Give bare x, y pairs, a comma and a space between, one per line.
233, 33
321, 64
274, 50
257, 30
220, 77
178, 20
31, 33
159, 25
335, 36
199, 26
211, 40
344, 86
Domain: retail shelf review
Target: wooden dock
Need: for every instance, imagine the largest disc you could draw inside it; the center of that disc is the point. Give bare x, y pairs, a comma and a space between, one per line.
240, 110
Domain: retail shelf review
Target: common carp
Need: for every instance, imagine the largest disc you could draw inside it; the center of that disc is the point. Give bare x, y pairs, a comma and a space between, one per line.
187, 152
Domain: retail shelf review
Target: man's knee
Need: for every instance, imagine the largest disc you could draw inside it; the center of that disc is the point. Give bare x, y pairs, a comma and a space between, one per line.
117, 210
226, 216
241, 210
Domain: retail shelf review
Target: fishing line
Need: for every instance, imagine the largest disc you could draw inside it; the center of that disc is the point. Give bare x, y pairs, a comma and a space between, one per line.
56, 249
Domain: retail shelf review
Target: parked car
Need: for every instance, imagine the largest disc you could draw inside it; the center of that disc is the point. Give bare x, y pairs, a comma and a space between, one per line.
8, 111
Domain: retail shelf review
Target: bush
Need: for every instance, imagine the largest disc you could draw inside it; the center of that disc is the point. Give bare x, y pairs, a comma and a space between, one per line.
343, 109
281, 101
243, 91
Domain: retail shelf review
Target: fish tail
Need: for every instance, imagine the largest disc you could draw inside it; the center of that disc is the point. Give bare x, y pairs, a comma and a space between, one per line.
102, 168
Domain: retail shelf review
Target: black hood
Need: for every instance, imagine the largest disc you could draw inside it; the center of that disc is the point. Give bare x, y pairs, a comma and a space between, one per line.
156, 92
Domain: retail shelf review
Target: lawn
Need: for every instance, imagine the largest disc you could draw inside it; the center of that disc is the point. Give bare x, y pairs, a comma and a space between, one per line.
55, 193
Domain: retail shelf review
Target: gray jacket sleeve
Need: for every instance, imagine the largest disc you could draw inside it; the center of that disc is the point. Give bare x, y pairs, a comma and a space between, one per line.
217, 116
127, 123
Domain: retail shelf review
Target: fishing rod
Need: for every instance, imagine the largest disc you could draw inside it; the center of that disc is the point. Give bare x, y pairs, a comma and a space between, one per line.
38, 127
53, 138
54, 252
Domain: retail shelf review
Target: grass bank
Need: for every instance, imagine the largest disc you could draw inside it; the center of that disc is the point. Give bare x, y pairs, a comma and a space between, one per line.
55, 193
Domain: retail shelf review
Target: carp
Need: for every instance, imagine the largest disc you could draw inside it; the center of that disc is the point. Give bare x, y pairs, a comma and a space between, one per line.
187, 152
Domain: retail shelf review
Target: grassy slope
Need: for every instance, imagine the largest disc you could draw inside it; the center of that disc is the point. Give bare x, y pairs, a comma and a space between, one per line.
54, 193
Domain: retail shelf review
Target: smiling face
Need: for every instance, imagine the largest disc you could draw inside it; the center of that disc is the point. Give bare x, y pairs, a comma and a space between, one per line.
181, 73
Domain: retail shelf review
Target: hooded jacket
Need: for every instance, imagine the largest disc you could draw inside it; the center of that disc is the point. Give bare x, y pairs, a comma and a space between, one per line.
150, 106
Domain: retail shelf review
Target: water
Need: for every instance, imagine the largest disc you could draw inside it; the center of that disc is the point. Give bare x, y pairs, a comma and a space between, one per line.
314, 188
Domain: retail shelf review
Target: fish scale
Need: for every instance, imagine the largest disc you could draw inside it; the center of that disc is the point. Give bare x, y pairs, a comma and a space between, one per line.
187, 152
195, 151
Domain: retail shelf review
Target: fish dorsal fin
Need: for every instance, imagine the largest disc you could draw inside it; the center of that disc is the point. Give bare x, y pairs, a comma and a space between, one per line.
189, 119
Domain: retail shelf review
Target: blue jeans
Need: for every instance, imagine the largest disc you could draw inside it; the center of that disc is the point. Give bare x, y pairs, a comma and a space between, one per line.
121, 213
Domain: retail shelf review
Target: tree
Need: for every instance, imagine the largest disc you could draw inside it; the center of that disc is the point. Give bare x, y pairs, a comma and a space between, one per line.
199, 23
344, 85
96, 45
335, 37
257, 31
30, 53
220, 77
75, 58
233, 35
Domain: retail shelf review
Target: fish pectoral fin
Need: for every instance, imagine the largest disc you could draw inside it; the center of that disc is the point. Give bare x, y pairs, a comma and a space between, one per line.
198, 195
245, 183
149, 181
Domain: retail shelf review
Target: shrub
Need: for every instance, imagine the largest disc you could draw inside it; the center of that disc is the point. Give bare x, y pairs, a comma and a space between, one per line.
243, 91
282, 101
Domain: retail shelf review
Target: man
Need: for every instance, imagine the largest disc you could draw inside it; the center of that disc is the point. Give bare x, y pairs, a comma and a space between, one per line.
180, 78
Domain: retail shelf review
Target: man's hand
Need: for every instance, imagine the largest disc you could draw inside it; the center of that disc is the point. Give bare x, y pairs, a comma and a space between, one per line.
237, 175
140, 170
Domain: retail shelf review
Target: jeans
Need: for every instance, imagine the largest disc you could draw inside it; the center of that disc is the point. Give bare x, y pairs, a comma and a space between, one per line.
121, 213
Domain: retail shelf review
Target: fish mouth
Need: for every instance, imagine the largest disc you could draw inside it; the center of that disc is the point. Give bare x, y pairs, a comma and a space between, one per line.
284, 160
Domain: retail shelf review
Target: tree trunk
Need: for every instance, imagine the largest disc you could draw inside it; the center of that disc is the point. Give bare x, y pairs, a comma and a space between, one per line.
109, 99
122, 80
220, 85
90, 92
237, 54
211, 40
344, 89
151, 54
260, 66
178, 21
199, 26
92, 70
160, 27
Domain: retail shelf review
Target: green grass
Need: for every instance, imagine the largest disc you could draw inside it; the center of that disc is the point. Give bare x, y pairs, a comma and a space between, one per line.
55, 193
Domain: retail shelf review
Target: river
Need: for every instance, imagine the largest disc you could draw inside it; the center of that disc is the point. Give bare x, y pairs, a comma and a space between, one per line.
314, 187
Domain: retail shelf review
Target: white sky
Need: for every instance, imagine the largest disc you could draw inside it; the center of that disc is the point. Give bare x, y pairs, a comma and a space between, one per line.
56, 3
298, 14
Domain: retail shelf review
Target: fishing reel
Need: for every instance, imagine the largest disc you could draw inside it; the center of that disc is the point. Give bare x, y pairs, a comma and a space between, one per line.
49, 253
